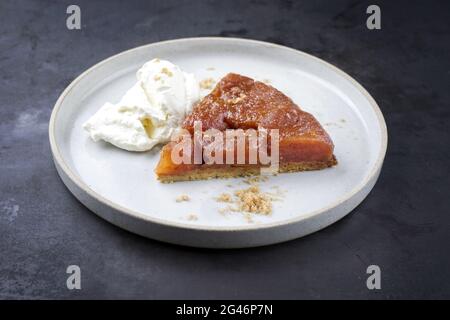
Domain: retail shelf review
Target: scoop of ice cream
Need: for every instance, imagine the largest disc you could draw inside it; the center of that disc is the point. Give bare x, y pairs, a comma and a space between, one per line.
150, 111
168, 87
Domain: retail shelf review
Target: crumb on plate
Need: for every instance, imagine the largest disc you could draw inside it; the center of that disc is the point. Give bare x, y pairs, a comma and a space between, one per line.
192, 217
254, 201
166, 72
207, 83
182, 198
224, 197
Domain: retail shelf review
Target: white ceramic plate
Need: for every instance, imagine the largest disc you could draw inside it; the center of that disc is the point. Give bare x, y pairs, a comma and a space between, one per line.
121, 187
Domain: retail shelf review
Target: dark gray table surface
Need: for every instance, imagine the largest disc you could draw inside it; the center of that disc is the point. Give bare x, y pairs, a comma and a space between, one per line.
403, 225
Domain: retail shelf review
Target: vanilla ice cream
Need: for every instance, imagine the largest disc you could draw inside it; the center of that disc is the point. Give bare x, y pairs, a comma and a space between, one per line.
150, 111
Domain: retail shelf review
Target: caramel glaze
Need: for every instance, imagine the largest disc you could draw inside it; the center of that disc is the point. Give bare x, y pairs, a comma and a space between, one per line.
239, 102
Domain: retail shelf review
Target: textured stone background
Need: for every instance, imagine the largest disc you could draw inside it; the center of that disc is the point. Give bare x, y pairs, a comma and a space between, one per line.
403, 226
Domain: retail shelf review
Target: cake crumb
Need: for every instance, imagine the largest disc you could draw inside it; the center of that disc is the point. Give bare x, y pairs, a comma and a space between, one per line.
252, 200
224, 197
192, 217
266, 81
207, 83
226, 209
210, 68
330, 124
256, 179
248, 217
167, 72
277, 195
237, 99
182, 198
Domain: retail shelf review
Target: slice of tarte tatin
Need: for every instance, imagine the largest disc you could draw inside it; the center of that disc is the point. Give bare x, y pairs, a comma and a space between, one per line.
238, 102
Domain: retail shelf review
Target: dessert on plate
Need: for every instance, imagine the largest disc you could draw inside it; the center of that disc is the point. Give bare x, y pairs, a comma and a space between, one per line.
165, 101
238, 102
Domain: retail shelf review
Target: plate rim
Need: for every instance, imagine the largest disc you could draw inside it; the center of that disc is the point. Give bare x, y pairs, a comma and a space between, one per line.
59, 160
